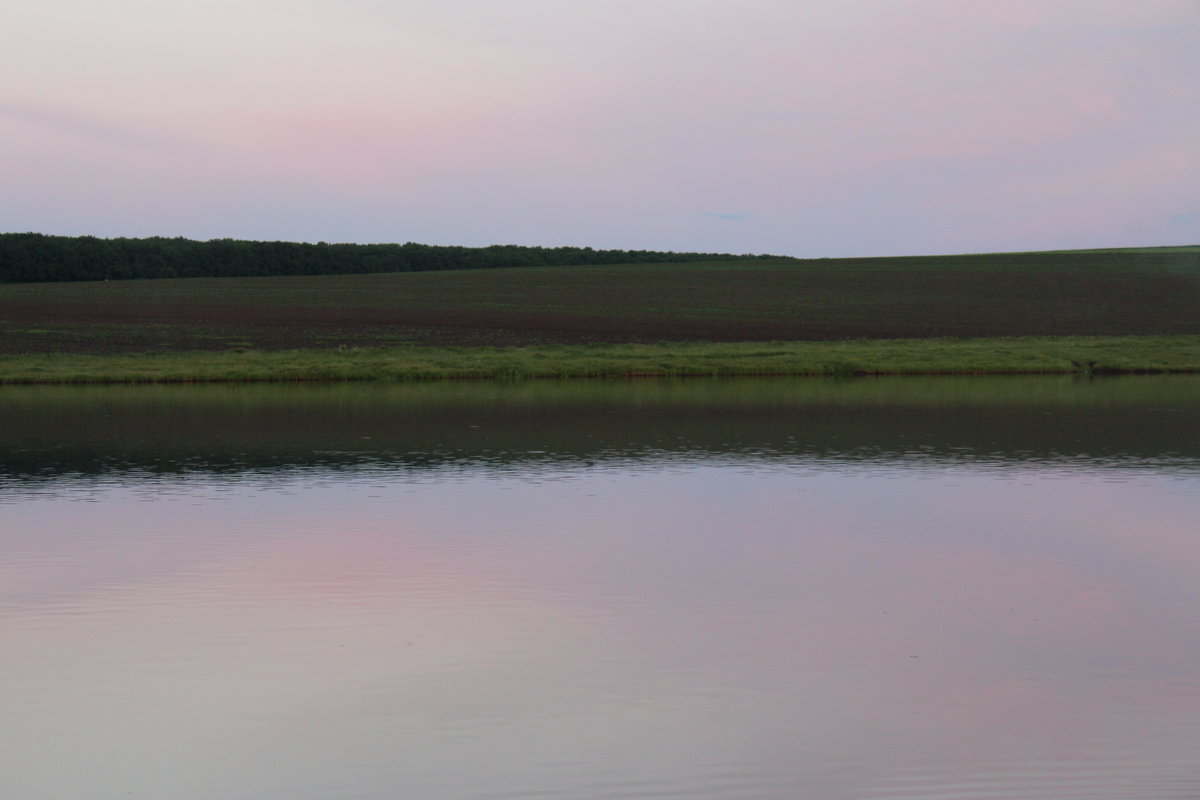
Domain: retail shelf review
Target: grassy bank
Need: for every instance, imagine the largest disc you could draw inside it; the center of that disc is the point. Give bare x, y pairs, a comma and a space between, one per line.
1031, 355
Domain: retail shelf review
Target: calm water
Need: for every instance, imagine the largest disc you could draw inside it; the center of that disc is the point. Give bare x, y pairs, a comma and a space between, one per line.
933, 589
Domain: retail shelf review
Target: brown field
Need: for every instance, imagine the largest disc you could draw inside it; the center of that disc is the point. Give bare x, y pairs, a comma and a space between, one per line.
1095, 293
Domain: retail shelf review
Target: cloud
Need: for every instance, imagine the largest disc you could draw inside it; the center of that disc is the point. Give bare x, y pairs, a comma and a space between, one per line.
85, 126
776, 116
1191, 219
719, 215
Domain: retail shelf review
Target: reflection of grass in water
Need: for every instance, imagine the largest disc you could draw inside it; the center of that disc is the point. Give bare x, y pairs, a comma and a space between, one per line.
1086, 355
85, 429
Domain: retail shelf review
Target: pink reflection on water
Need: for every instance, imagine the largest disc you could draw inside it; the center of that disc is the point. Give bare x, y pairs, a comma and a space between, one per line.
820, 632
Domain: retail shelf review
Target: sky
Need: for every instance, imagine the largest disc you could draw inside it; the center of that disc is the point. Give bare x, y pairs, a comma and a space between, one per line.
812, 128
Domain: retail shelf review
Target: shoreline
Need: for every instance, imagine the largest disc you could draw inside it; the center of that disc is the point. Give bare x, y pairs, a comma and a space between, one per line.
1085, 355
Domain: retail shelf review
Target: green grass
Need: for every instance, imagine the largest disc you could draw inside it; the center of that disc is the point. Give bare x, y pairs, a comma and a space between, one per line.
866, 357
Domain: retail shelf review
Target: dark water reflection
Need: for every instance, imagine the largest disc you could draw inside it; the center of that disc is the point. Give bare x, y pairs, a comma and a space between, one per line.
57, 432
983, 588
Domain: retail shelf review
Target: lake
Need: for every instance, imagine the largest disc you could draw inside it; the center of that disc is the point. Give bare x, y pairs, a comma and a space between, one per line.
909, 588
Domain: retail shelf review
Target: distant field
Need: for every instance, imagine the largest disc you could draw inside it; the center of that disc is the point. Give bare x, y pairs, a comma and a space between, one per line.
1188, 248
1139, 292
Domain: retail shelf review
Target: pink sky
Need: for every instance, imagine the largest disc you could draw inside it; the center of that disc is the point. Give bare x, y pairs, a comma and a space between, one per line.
855, 127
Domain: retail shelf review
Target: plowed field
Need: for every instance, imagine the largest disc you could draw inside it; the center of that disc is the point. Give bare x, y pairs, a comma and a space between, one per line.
1104, 293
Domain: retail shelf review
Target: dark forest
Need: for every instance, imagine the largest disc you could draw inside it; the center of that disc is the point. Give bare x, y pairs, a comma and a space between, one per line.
35, 257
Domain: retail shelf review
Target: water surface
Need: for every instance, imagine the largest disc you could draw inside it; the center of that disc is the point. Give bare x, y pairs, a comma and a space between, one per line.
984, 588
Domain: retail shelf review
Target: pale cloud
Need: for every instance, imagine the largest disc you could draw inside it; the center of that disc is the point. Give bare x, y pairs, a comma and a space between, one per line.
88, 127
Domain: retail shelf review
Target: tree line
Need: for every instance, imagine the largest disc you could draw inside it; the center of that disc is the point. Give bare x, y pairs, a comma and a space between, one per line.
30, 257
